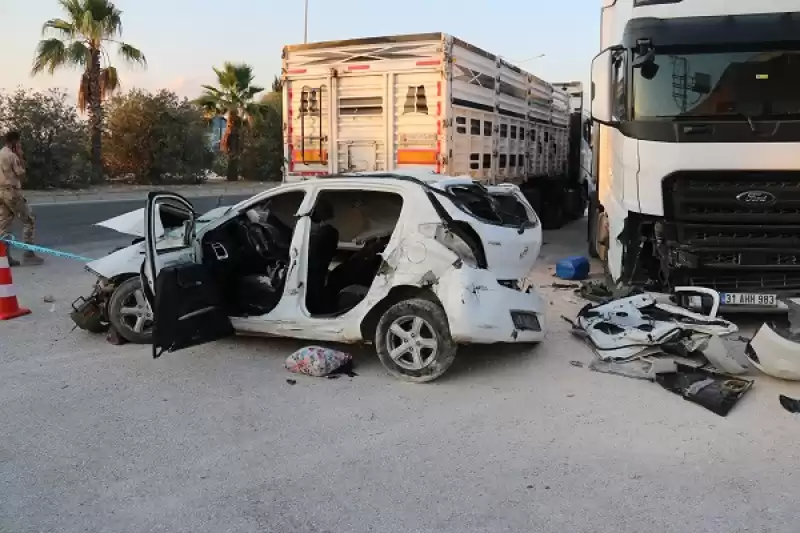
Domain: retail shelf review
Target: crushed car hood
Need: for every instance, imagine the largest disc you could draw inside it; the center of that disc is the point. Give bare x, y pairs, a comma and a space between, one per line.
132, 222
128, 260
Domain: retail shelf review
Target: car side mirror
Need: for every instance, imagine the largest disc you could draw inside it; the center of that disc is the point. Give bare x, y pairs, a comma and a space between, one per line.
601, 88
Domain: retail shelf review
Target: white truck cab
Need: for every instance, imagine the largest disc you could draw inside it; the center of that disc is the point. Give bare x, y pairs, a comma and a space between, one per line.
696, 158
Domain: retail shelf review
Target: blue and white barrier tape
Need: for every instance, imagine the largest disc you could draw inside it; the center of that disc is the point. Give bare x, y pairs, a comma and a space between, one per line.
43, 250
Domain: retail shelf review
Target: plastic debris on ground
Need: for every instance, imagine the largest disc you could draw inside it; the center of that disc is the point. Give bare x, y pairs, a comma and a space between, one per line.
573, 268
621, 330
642, 336
645, 368
317, 361
718, 393
775, 351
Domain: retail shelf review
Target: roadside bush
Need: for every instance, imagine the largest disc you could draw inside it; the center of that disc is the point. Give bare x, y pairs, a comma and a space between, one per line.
54, 140
262, 153
155, 138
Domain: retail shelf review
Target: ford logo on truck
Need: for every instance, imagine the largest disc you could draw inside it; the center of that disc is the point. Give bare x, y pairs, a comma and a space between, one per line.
756, 198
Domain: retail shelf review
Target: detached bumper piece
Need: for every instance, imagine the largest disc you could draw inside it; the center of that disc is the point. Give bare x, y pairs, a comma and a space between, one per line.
776, 352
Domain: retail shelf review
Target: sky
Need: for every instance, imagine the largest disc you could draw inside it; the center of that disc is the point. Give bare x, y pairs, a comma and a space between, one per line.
183, 39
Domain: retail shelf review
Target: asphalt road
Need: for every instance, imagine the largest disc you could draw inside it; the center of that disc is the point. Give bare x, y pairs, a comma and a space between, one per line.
72, 224
102, 438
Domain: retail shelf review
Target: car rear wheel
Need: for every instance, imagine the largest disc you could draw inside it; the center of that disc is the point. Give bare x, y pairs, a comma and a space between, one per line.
130, 314
413, 341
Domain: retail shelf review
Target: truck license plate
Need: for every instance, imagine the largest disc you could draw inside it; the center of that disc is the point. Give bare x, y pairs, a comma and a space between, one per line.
746, 298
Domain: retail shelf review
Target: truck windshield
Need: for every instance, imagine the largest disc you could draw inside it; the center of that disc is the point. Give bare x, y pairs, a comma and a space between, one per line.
739, 85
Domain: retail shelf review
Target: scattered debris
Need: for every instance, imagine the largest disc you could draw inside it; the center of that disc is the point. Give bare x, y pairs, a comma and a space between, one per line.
319, 362
48, 299
645, 368
291, 381
564, 286
113, 337
579, 364
595, 291
790, 404
573, 268
630, 328
718, 393
720, 357
642, 336
776, 352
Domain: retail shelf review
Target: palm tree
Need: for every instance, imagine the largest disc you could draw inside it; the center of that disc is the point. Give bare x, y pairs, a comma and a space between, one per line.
233, 99
83, 37
277, 84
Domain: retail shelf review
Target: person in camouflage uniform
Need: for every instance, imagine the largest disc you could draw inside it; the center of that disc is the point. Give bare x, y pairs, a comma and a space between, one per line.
12, 203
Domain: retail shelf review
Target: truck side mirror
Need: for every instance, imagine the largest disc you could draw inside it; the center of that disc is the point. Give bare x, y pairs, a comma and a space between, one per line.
601, 88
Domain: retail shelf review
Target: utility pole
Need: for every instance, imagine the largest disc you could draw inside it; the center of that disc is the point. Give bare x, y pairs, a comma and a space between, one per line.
305, 24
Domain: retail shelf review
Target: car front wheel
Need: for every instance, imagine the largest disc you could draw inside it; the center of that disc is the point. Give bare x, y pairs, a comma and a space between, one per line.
129, 312
413, 341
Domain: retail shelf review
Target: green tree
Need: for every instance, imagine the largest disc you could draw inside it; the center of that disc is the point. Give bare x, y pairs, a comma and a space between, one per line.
90, 27
277, 84
233, 99
155, 138
262, 152
54, 139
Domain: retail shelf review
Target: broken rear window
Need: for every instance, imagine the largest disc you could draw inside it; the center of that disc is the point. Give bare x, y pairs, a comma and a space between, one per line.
475, 200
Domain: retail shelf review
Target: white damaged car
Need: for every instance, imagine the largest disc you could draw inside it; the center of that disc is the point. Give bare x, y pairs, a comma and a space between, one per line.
415, 266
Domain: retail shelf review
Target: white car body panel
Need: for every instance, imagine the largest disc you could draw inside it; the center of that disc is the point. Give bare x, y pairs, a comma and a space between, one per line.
125, 261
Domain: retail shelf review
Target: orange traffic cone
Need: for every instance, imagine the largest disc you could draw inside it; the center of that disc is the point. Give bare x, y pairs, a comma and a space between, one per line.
9, 306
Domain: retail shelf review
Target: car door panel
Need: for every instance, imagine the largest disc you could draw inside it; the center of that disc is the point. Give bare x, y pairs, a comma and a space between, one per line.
188, 309
181, 292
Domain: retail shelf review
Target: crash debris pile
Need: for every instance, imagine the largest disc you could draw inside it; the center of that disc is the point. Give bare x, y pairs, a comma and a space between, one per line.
642, 337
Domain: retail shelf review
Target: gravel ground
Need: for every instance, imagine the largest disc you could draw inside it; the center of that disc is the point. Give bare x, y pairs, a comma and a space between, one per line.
213, 439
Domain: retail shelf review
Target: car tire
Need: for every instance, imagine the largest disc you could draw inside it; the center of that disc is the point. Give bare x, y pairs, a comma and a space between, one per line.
125, 298
430, 349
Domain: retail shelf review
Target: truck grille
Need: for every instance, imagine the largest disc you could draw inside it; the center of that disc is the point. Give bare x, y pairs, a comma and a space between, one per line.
743, 228
746, 282
718, 197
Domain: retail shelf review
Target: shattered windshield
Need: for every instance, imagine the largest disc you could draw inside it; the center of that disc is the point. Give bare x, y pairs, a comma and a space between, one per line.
735, 84
478, 202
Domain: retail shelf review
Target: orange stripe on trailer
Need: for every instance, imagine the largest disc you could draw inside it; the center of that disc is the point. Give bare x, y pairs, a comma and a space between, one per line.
297, 71
310, 156
410, 156
428, 62
358, 67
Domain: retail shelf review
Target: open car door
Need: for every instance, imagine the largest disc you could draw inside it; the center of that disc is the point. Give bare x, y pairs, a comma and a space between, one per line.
181, 291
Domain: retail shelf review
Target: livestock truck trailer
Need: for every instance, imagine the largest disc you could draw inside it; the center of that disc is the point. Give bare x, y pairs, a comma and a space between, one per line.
433, 102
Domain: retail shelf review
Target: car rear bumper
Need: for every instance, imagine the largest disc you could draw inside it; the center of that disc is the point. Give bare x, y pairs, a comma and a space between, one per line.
481, 311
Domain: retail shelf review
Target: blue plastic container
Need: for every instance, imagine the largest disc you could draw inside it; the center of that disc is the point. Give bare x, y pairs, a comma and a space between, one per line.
573, 268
